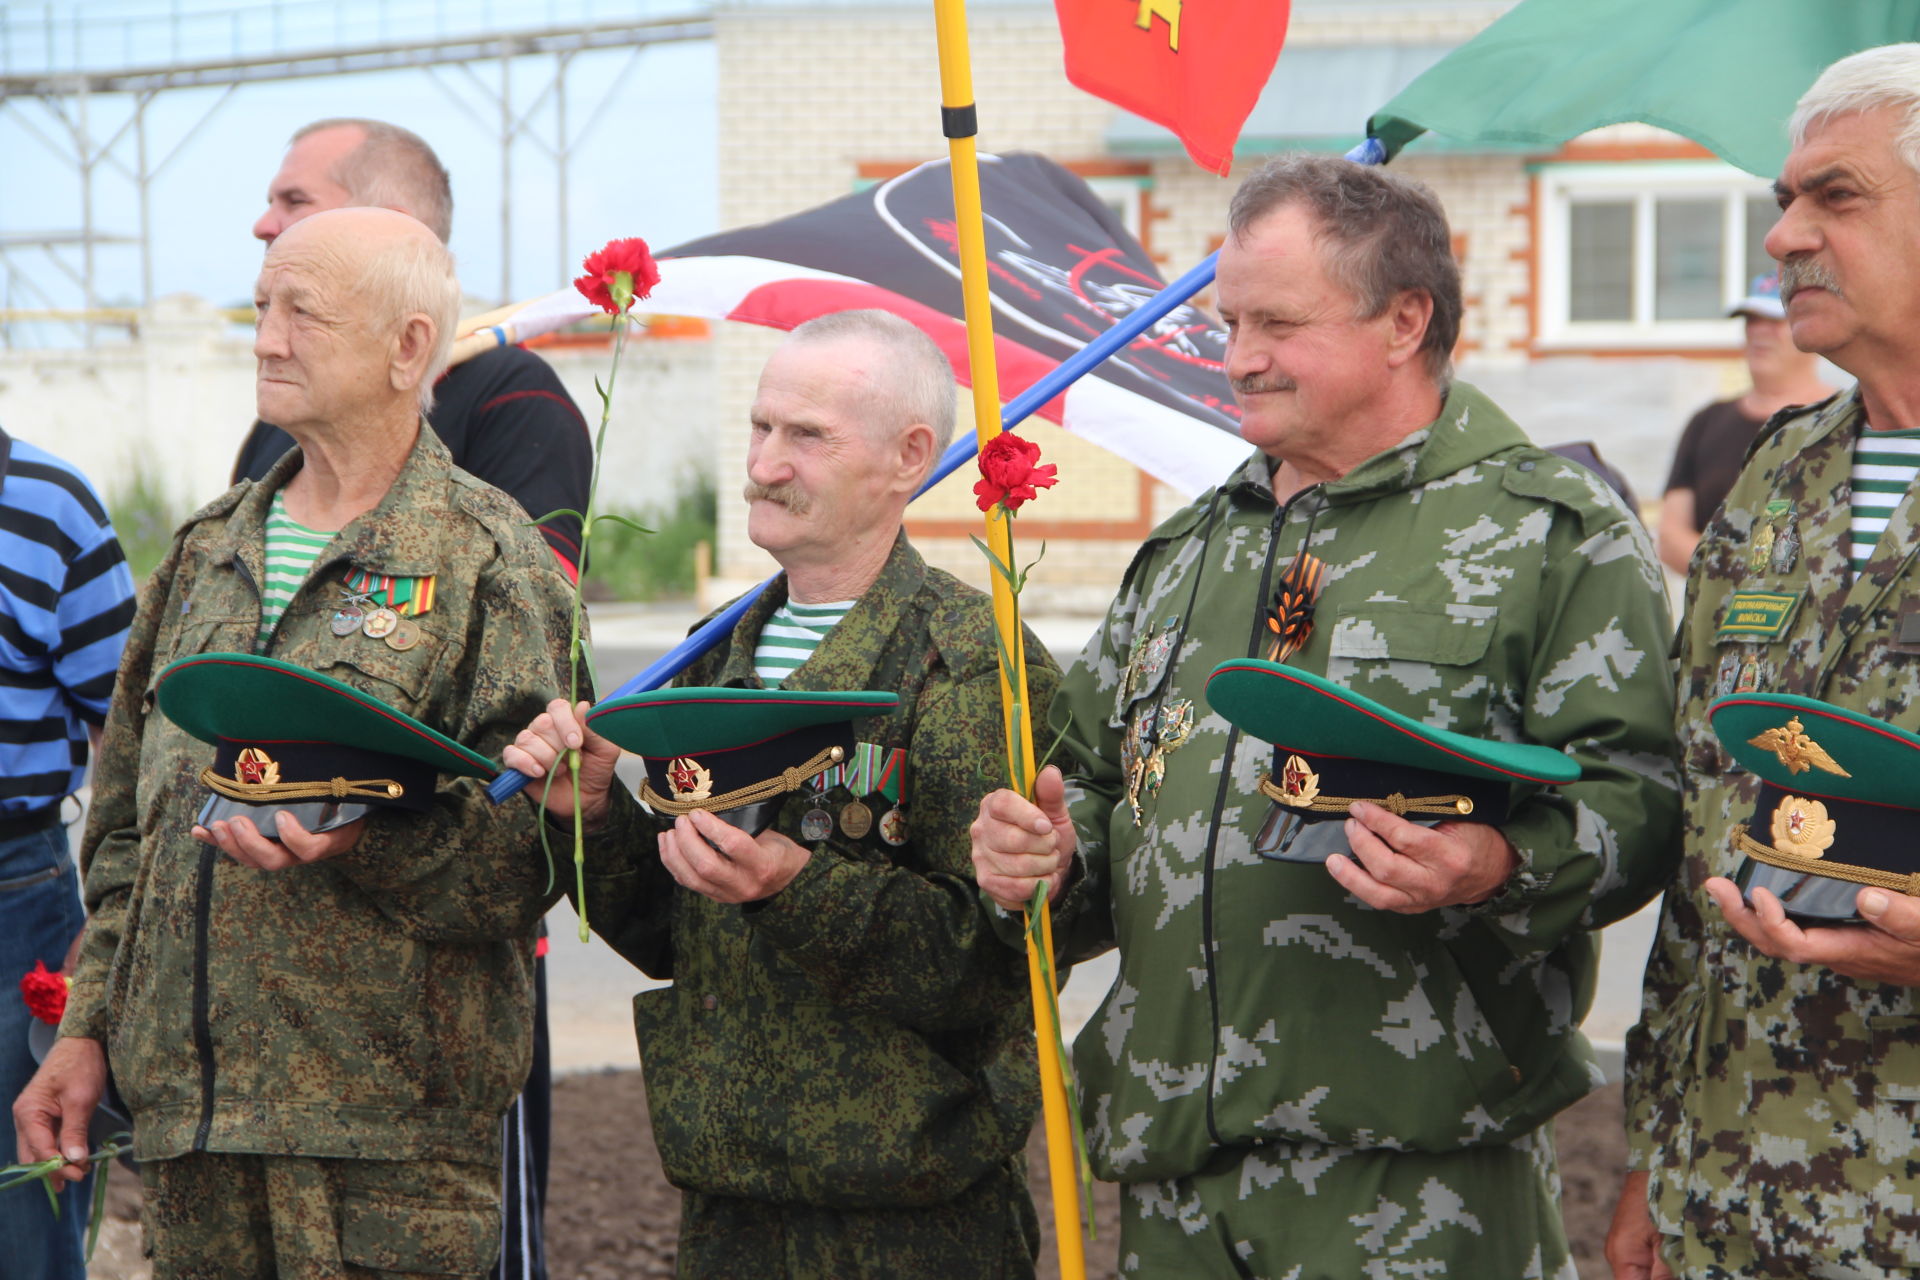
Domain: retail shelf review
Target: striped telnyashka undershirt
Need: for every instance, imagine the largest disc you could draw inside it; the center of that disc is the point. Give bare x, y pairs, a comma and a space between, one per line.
790, 637
1884, 464
291, 550
66, 600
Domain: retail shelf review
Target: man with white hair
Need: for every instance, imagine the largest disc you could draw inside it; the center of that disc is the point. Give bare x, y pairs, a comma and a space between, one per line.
317, 1031
842, 1075
1772, 1081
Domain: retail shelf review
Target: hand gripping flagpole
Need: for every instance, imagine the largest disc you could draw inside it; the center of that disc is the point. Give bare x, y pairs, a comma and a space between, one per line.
959, 123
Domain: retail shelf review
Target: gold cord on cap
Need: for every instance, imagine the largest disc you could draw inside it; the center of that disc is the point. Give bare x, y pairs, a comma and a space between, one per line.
787, 780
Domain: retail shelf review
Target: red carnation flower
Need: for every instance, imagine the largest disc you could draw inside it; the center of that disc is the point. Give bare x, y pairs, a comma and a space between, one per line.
618, 275
1009, 476
46, 993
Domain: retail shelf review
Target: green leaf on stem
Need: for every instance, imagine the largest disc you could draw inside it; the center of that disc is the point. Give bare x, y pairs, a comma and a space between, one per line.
555, 514
634, 525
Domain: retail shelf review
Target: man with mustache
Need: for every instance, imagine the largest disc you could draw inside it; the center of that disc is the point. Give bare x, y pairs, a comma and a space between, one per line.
1333, 1054
1772, 1080
842, 1077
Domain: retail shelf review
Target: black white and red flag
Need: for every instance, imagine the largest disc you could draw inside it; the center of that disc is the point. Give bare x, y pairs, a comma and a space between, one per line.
1064, 270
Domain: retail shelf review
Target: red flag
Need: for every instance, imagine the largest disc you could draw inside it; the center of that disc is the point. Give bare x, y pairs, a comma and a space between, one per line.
1195, 66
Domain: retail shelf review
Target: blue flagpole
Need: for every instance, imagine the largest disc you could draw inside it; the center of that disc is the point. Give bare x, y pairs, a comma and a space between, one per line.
1018, 410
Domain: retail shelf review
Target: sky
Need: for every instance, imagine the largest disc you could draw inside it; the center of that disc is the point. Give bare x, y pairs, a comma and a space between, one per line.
644, 166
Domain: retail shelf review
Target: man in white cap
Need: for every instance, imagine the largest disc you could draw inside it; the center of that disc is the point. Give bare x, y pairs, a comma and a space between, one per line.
1715, 441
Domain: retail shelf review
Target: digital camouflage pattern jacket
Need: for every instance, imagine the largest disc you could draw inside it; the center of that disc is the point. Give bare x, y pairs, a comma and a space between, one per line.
861, 1039
1477, 584
377, 1004
1777, 1105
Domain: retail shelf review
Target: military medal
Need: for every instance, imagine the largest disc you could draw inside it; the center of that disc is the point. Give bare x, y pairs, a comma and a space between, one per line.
893, 826
1729, 675
816, 825
380, 623
856, 819
404, 636
346, 620
1786, 549
1760, 550
1749, 681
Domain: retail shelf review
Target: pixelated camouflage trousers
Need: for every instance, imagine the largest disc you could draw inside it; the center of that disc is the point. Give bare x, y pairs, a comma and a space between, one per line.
988, 1232
228, 1217
1309, 1211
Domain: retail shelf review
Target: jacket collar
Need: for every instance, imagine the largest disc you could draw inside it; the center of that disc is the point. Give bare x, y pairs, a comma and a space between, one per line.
846, 659
384, 540
1470, 428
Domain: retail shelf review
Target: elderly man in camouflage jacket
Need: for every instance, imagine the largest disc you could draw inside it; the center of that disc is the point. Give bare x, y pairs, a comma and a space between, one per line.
1335, 1071
842, 1075
1772, 1082
318, 1034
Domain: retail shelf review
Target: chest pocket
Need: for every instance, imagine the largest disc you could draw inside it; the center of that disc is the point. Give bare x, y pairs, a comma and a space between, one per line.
399, 677
1426, 662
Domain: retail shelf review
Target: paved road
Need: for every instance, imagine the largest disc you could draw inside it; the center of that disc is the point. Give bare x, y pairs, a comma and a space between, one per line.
590, 987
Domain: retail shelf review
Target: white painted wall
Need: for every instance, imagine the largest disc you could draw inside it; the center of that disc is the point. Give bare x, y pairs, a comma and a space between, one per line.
176, 402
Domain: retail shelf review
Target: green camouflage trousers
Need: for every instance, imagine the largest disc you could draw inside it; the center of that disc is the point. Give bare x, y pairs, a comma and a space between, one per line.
1309, 1211
225, 1217
987, 1232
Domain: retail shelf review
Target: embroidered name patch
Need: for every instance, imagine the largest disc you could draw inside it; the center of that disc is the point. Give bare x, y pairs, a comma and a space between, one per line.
1757, 615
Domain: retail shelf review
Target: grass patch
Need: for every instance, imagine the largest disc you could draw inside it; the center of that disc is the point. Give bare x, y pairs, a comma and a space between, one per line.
144, 518
625, 565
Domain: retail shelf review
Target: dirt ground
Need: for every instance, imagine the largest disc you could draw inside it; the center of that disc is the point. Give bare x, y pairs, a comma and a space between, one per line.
611, 1216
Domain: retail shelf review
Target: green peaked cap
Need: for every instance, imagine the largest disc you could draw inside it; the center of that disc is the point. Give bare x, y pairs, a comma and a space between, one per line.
240, 697
1878, 759
690, 721
1296, 710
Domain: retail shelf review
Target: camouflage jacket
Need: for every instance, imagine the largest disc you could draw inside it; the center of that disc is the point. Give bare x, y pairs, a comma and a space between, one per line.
1477, 584
860, 1039
1775, 1103
379, 1003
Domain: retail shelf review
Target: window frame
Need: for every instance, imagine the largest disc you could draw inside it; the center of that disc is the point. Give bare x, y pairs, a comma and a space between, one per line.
1560, 186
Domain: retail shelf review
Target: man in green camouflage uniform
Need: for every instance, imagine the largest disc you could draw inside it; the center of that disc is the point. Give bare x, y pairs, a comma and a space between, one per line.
1773, 1080
842, 1075
317, 1036
1342, 1071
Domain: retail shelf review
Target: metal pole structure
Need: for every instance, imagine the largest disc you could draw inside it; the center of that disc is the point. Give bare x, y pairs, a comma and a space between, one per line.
83, 137
563, 151
144, 180
506, 177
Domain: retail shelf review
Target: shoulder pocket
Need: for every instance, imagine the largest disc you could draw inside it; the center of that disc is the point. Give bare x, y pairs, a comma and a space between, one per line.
1386, 629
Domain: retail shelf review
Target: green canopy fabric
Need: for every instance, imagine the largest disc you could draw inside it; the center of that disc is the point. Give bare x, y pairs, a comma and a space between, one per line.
1724, 73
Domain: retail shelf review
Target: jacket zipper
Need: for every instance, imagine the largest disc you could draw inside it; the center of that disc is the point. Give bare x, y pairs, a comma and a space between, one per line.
1219, 806
202, 926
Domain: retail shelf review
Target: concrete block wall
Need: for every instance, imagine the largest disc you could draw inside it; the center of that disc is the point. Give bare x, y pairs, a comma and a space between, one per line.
175, 404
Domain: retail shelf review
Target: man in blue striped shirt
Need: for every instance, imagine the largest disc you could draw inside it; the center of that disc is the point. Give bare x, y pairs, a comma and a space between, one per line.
66, 599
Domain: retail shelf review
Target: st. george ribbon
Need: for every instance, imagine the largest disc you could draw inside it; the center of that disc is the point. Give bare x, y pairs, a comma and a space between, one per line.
715, 629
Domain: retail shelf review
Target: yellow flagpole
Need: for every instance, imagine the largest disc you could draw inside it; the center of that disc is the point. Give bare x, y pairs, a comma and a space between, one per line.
957, 116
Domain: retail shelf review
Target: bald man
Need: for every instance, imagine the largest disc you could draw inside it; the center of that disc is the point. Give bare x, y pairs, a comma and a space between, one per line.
317, 1032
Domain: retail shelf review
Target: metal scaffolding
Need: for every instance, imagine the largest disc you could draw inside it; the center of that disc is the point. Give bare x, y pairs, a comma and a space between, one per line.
77, 66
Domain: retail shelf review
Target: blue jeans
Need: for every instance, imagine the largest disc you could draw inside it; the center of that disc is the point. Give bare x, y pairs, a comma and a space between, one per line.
39, 915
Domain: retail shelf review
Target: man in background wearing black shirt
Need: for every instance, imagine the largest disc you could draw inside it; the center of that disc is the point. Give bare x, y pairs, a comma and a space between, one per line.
1715, 442
506, 418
